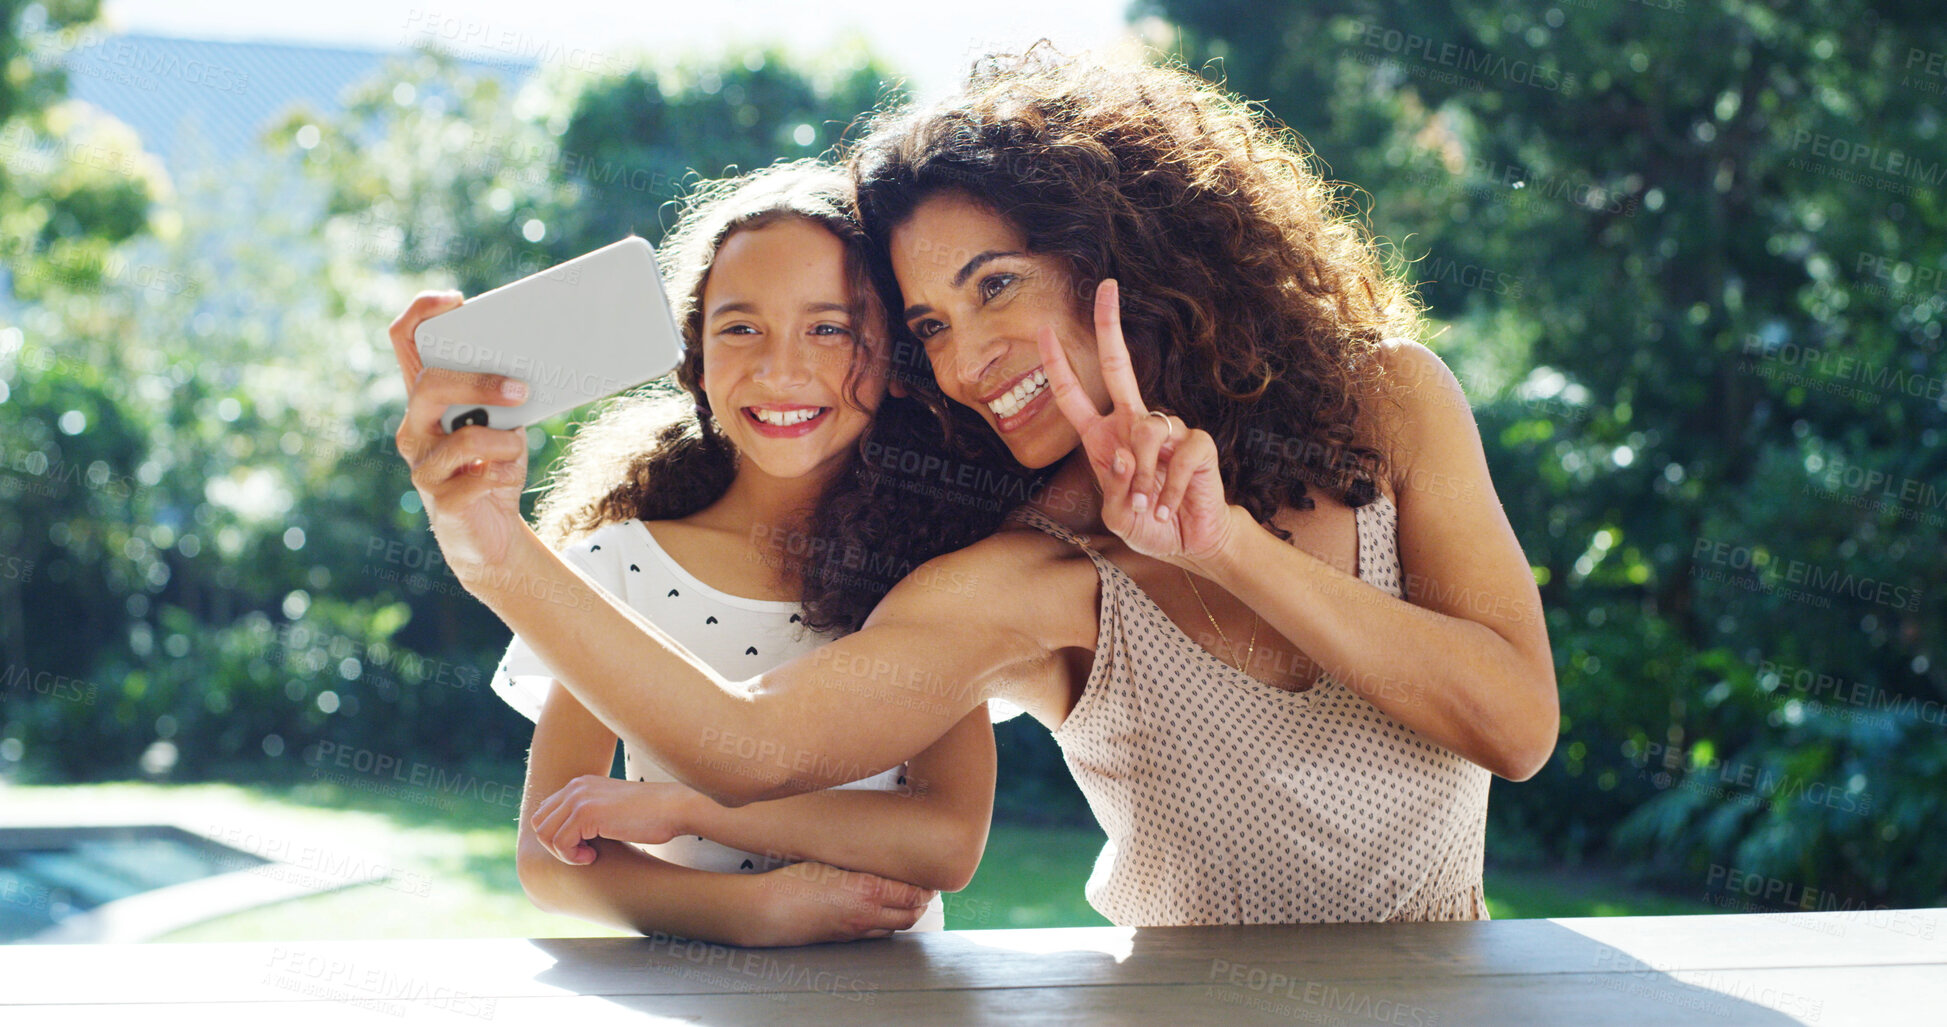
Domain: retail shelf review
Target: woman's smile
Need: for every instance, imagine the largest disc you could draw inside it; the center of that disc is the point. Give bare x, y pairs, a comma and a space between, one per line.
1021, 401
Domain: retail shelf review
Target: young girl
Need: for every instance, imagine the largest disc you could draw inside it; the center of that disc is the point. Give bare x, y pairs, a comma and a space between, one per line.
707, 532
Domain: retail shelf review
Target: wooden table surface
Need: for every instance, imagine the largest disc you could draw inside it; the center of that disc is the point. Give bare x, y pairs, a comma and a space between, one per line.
1875, 967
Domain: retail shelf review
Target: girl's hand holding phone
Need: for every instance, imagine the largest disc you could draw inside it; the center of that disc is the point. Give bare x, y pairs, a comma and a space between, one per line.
470, 481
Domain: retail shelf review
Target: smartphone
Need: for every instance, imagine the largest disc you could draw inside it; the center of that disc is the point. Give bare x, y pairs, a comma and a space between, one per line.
575, 333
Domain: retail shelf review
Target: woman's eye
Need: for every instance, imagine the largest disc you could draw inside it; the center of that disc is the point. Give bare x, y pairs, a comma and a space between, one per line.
830, 330
926, 329
992, 285
738, 329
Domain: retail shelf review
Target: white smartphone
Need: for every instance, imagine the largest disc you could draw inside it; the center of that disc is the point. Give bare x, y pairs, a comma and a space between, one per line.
575, 333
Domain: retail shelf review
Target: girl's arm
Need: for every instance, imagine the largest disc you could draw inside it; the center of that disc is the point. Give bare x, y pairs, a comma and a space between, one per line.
931, 832
629, 889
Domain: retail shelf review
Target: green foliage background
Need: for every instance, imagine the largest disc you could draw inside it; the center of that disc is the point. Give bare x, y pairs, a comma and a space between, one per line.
1703, 341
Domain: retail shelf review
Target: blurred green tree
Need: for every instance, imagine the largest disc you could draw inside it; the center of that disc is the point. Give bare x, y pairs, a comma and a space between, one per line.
217, 565
76, 191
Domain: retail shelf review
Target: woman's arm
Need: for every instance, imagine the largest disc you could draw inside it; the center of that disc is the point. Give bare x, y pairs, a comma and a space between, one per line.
931, 832
629, 889
936, 648
1468, 638
1464, 661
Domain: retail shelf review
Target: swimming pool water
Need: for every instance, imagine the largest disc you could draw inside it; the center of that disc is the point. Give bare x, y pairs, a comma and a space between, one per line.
48, 874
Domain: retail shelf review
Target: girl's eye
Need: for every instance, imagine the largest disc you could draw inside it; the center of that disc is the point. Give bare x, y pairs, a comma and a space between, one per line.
737, 329
830, 329
992, 285
926, 328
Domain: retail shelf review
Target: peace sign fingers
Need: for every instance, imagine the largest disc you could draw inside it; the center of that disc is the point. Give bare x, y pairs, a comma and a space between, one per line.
1112, 351
1162, 491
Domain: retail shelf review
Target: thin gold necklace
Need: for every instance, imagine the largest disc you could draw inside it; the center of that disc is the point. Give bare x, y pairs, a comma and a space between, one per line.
1248, 653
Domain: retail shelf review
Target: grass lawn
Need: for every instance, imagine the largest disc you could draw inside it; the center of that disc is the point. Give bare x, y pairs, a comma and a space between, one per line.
453, 870
1524, 893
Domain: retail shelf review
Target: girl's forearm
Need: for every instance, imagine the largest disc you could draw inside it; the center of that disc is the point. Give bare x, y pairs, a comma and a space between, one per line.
628, 889
1454, 681
897, 835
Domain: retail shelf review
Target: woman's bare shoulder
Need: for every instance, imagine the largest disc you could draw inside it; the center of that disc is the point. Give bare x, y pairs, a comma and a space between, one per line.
1017, 577
1414, 377
1418, 400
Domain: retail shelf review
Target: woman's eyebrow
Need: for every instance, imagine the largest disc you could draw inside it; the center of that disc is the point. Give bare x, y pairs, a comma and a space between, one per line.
966, 270
960, 277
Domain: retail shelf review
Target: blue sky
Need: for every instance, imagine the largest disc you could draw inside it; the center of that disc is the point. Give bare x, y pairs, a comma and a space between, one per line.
931, 43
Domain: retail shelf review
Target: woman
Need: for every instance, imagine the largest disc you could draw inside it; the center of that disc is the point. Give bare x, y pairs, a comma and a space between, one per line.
1323, 753
690, 519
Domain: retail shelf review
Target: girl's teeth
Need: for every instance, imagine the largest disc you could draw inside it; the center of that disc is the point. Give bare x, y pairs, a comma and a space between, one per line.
786, 418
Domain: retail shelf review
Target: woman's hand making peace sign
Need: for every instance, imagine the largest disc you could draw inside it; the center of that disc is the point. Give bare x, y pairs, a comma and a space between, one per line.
1162, 492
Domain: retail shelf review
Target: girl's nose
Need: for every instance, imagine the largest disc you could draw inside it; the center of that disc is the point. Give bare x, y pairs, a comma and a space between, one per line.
783, 364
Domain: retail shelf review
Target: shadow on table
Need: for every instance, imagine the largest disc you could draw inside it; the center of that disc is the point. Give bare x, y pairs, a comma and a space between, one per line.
1417, 975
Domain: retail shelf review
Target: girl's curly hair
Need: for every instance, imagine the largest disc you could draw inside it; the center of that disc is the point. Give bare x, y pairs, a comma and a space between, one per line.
1254, 299
657, 453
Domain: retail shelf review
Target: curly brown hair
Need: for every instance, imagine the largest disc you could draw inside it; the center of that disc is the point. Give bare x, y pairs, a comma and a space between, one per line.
656, 453
1254, 299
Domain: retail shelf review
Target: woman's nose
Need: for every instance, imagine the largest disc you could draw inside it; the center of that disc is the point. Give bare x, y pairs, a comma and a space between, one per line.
973, 356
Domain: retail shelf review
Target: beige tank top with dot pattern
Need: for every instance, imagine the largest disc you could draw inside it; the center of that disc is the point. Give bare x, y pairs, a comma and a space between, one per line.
1229, 801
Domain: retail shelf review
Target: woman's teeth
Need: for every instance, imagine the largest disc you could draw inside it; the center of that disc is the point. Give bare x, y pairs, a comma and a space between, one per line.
1020, 395
786, 418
